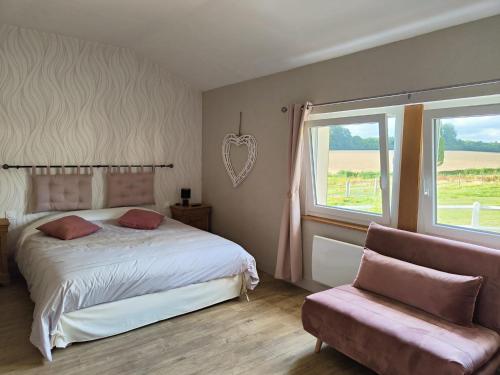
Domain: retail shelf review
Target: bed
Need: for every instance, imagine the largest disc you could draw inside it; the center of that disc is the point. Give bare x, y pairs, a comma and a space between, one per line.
119, 279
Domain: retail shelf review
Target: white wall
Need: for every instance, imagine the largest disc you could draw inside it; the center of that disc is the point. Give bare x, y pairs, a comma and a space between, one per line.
69, 101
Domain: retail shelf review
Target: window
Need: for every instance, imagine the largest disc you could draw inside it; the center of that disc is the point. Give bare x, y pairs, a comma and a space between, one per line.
352, 172
350, 169
461, 173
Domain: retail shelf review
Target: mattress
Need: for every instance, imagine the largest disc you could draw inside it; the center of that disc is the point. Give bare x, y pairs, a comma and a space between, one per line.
117, 263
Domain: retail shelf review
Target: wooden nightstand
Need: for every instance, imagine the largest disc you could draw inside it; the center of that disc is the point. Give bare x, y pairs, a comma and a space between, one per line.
4, 268
196, 216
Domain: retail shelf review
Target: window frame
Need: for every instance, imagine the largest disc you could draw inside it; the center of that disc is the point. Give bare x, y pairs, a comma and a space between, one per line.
337, 212
427, 222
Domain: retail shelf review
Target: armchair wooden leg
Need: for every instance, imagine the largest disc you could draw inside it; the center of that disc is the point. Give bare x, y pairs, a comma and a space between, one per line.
318, 346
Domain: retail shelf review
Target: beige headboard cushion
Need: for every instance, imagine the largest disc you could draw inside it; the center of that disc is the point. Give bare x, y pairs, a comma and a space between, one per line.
61, 192
130, 189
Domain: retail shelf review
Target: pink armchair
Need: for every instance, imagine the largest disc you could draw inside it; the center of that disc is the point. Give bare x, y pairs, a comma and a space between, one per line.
391, 337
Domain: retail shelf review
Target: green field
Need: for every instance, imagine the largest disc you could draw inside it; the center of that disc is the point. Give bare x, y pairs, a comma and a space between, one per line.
455, 188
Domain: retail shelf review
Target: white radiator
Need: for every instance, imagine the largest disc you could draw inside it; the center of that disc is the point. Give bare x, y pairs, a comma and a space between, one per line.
334, 262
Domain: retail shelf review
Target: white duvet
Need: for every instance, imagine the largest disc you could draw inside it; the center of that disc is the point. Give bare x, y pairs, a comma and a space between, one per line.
117, 263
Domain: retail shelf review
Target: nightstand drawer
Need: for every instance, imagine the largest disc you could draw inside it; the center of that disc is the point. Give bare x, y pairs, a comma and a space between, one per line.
197, 216
200, 223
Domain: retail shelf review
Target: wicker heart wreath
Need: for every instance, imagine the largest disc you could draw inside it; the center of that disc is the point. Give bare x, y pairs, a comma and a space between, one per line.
239, 140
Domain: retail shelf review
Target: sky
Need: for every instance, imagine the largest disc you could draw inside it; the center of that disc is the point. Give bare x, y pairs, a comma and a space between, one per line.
478, 128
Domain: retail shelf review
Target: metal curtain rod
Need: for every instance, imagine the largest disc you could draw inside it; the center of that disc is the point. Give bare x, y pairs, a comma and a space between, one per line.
407, 93
7, 166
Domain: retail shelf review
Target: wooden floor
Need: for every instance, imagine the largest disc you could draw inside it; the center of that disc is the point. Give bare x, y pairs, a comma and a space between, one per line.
264, 336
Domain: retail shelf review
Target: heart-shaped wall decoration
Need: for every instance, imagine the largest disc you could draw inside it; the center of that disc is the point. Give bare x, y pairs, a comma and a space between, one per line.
233, 139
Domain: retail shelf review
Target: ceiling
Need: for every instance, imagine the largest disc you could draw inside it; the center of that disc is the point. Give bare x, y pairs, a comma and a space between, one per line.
212, 43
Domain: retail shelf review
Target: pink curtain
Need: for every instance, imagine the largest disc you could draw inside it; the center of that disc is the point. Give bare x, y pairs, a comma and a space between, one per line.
289, 260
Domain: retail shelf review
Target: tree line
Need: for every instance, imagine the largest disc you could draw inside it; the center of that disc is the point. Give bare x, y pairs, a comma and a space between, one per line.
452, 142
342, 139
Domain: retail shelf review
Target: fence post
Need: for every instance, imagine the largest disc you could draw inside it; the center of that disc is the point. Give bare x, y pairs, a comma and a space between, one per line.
476, 210
347, 188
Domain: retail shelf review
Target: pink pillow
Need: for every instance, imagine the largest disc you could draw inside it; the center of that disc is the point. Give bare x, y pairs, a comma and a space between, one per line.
141, 219
69, 227
446, 295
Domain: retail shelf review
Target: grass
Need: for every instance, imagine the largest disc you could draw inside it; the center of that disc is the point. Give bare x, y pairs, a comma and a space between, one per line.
364, 192
472, 172
454, 188
465, 191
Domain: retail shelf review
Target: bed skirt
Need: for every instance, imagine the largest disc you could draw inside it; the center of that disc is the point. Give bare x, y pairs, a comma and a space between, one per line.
109, 319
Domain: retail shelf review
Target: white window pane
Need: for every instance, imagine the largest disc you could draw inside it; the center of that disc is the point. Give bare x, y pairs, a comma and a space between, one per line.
347, 166
467, 165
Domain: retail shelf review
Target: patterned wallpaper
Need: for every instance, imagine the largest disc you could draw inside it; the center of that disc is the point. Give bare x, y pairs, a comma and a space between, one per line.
65, 100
